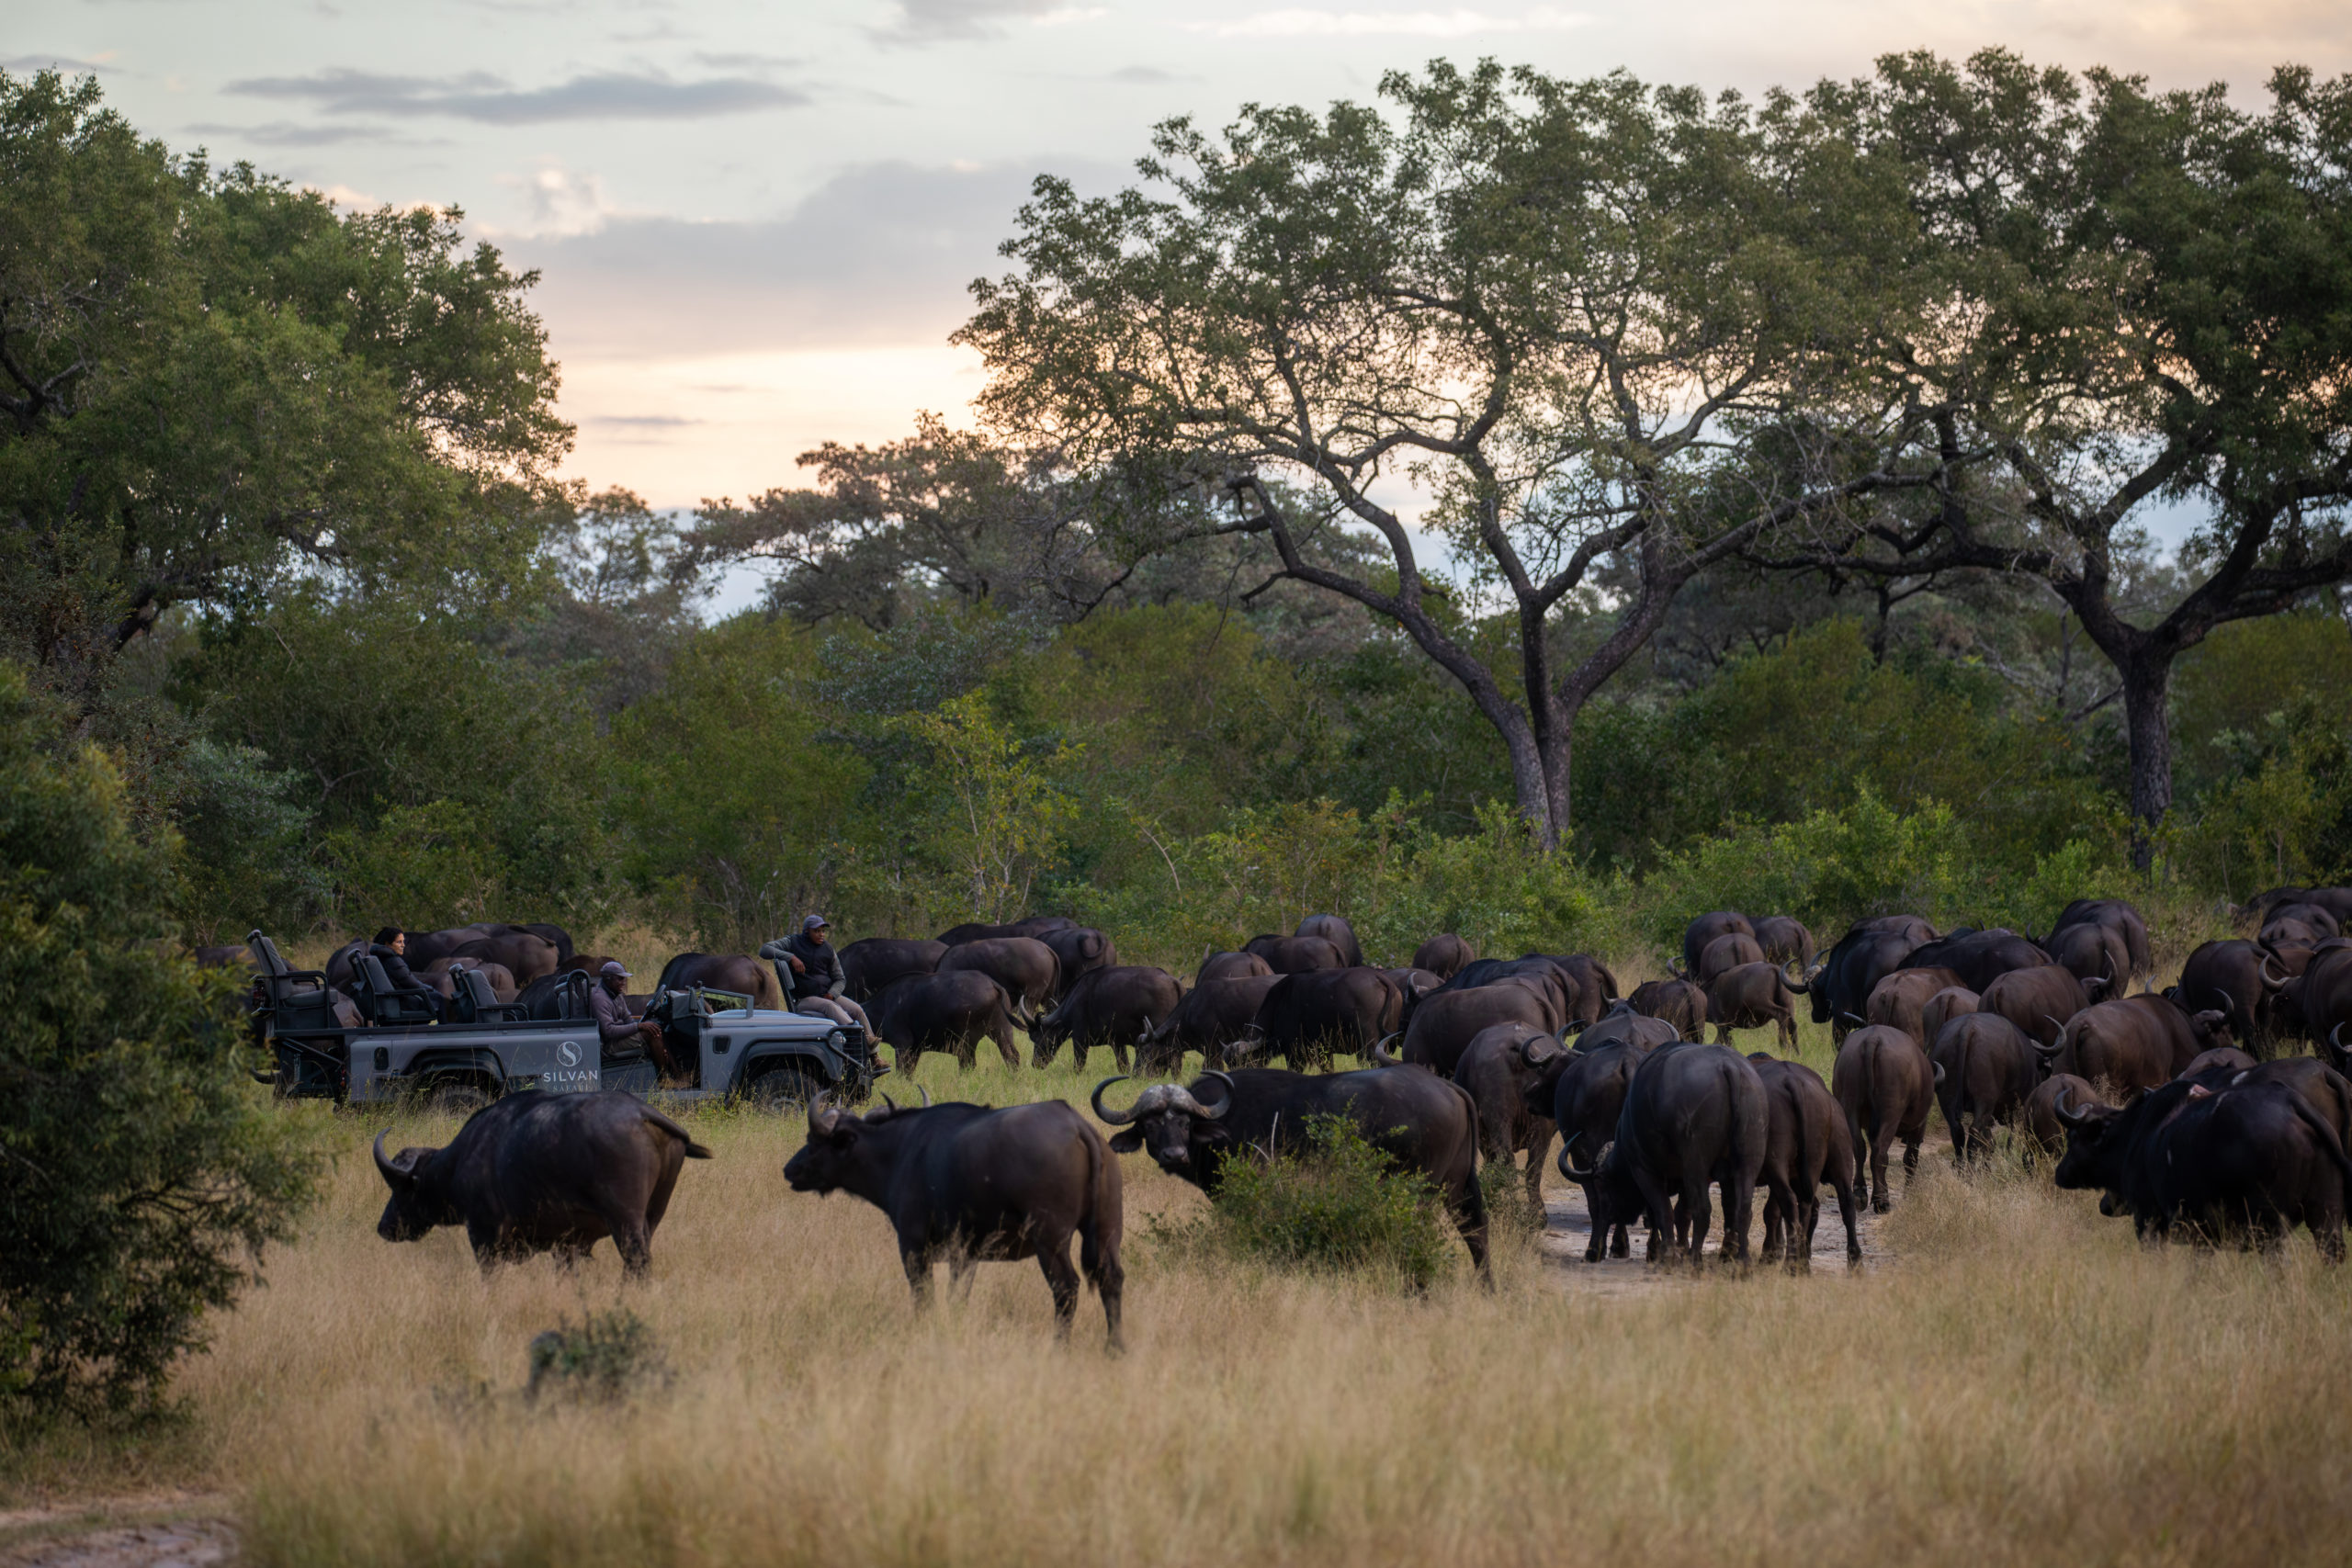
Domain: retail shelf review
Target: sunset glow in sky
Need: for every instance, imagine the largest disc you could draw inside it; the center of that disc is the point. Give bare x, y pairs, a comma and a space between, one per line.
756, 222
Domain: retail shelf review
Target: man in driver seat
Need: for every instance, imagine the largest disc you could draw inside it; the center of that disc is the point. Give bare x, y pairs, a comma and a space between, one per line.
608, 1000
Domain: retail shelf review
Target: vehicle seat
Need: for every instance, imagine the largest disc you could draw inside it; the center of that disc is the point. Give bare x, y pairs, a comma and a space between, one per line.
383, 1003
474, 1002
301, 998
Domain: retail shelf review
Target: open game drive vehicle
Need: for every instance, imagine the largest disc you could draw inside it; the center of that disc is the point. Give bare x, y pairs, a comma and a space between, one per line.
460, 1053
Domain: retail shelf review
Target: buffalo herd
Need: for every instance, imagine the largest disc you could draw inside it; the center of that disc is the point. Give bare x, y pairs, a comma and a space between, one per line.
2177, 1106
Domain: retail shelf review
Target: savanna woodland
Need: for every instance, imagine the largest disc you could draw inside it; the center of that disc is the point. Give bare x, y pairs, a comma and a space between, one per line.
1534, 509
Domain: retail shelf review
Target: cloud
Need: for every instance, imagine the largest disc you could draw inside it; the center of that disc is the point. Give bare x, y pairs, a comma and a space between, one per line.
64, 63
929, 21
1143, 76
561, 202
294, 133
1302, 23
641, 421
491, 100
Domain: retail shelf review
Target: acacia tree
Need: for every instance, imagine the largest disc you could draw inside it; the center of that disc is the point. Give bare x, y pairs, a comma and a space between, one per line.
1580, 320
2146, 297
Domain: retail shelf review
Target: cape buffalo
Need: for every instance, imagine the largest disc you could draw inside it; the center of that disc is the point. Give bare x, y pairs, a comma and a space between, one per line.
1555, 980
1423, 1122
1707, 928
872, 963
524, 954
2227, 1057
1296, 954
2093, 955
1107, 1007
1510, 1073
1622, 1022
1977, 956
722, 971
437, 976
980, 931
1805, 1144
534, 1172
1230, 966
1081, 950
2222, 1159
1024, 965
1305, 1018
951, 1013
1415, 984
1211, 1017
1695, 1115
2322, 995
1863, 956
1901, 998
1755, 996
1785, 940
1444, 956
2038, 1002
1677, 1002
1336, 931
1886, 1085
1595, 987
2243, 981
1445, 1023
1727, 951
965, 1184
1586, 1099
2134, 1043
2047, 1133
2129, 953
1941, 1009
2321, 1087
1984, 1070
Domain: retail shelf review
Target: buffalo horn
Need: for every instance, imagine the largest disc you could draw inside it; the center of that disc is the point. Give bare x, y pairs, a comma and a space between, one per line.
1115, 1118
1379, 1052
2066, 1112
926, 1096
823, 1114
2267, 983
891, 1103
1573, 1173
2050, 1051
1223, 1105
1940, 1075
1789, 979
2333, 1043
1856, 1016
1532, 1056
393, 1175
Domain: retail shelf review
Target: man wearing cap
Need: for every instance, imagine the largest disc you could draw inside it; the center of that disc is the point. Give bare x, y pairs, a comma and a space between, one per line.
609, 1001
816, 981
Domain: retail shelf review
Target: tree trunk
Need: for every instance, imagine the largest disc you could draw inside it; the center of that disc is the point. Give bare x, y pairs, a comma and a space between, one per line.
2147, 695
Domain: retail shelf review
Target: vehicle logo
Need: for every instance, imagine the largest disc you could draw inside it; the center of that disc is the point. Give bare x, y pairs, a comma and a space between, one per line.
567, 1055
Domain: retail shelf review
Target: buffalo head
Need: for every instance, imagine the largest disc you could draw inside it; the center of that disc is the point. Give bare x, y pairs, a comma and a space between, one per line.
822, 1163
1166, 1120
412, 1211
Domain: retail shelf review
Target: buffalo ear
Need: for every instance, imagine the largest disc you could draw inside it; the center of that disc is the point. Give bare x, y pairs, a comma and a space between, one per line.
1127, 1143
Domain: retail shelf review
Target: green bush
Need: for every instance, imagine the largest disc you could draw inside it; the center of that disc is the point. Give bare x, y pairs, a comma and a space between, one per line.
606, 1356
1341, 1207
140, 1172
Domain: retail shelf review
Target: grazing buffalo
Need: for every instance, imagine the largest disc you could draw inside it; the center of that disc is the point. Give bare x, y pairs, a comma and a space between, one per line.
1595, 987
980, 931
2134, 1043
1755, 996
1306, 1018
1296, 955
1081, 950
1444, 956
720, 972
1622, 1022
1941, 1009
1445, 1023
1727, 951
1707, 928
534, 1172
2038, 1002
2305, 924
2220, 1058
1107, 1007
2242, 981
2322, 1088
524, 950
1984, 1070
1805, 1144
1901, 999
2117, 919
1549, 976
1863, 956
1423, 1122
2046, 1131
1677, 1002
1885, 1084
2217, 1158
2093, 955
1415, 984
1694, 1116
1335, 930
952, 1012
1785, 940
1977, 956
438, 973
2323, 995
1024, 965
1212, 1018
965, 1184
2336, 901
1510, 1073
871, 964
1231, 966
1586, 1099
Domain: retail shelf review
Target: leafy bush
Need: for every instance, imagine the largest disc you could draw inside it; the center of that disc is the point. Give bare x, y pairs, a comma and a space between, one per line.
606, 1357
1341, 1207
140, 1172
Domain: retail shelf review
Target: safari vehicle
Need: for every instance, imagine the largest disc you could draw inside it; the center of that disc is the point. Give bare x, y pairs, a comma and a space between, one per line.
384, 1043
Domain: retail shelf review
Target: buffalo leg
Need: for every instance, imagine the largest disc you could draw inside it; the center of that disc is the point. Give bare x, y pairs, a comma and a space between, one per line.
1119, 1052
1782, 1220
1537, 1148
634, 1242
1061, 1277
962, 1269
1003, 1038
918, 1267
1100, 1264
1880, 1147
1740, 1212
1621, 1241
1787, 1020
1694, 1208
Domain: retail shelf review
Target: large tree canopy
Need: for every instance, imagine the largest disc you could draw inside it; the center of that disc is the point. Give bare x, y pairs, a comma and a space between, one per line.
1579, 320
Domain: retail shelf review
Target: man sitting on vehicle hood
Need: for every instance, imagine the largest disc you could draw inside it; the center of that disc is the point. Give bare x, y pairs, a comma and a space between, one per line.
808, 961
608, 1000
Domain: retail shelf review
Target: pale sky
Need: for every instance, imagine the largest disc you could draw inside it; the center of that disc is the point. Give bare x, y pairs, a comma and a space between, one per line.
756, 222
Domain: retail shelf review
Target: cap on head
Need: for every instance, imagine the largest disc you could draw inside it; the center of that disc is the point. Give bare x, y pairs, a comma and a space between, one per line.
815, 923
613, 970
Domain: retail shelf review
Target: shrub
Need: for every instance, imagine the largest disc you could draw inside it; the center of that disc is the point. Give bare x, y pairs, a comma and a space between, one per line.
140, 1172
605, 1357
1341, 1207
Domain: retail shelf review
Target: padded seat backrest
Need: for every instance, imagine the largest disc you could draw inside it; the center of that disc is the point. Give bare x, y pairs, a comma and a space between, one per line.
261, 947
475, 1000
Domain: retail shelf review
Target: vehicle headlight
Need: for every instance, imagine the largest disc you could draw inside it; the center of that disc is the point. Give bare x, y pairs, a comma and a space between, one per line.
836, 1038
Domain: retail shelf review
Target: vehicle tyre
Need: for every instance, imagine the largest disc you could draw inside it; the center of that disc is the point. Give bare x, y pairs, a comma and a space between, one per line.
784, 1089
455, 1099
